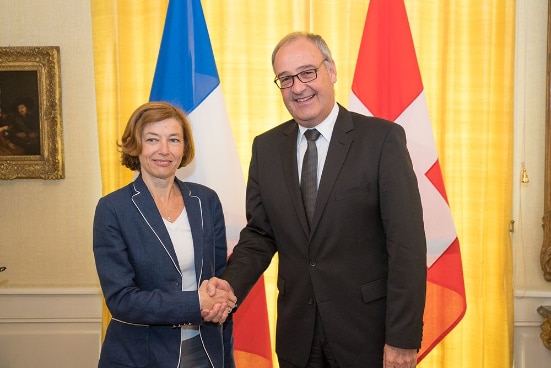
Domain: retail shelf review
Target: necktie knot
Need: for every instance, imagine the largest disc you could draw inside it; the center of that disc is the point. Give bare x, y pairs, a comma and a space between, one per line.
312, 134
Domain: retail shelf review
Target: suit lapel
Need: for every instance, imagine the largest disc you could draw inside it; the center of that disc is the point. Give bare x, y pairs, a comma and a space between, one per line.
338, 150
290, 168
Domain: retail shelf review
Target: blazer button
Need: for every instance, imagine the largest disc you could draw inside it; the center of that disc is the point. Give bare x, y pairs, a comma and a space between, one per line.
310, 301
313, 262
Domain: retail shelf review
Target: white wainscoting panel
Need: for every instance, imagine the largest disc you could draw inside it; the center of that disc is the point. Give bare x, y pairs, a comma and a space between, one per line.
57, 328
529, 349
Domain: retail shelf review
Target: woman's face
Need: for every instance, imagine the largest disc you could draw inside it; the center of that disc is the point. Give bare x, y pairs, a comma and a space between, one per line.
162, 149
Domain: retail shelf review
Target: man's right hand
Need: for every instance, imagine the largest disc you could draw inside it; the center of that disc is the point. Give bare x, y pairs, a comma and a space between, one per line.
217, 300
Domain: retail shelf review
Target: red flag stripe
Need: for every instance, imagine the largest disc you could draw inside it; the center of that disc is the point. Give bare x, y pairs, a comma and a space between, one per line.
384, 83
250, 350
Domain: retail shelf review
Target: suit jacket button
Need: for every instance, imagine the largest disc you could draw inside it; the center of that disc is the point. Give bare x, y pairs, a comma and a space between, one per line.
313, 262
310, 301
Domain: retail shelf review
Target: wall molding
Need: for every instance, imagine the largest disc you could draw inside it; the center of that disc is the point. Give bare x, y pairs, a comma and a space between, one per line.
529, 350
56, 327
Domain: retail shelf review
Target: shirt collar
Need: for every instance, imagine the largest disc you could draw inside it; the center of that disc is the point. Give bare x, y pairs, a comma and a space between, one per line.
325, 127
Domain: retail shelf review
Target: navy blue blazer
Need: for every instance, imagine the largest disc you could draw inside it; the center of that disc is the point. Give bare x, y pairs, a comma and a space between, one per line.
141, 280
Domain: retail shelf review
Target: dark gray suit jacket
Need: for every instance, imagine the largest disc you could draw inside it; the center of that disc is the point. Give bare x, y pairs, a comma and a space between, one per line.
141, 280
362, 265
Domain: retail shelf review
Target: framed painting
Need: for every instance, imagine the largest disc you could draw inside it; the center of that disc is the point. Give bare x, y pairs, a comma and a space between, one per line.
31, 136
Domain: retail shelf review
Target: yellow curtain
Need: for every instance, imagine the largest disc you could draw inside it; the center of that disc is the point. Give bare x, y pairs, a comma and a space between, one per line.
466, 54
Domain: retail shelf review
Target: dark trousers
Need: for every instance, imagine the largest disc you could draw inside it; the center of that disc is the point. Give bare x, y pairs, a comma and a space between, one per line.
193, 354
320, 353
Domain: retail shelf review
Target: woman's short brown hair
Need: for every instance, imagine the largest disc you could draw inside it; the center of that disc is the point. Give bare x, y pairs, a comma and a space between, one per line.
152, 112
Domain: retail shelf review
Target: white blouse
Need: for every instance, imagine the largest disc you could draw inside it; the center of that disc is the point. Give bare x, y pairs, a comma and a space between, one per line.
180, 235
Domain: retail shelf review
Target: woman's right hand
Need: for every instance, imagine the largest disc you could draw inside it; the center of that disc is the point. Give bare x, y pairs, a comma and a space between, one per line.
216, 299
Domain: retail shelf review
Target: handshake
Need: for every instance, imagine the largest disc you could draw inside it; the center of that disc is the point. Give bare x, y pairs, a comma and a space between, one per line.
216, 299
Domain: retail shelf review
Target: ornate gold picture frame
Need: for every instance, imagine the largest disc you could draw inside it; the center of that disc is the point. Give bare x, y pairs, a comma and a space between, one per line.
31, 136
545, 254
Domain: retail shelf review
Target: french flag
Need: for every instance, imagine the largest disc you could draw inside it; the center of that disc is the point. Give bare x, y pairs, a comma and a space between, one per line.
186, 76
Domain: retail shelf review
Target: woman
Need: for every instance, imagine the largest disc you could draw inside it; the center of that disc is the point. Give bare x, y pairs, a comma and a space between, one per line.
155, 241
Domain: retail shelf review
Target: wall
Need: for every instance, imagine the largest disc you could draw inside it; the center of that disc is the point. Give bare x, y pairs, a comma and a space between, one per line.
530, 103
50, 306
531, 290
46, 237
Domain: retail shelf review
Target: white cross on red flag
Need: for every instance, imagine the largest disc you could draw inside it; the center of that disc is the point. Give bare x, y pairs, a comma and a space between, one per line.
387, 84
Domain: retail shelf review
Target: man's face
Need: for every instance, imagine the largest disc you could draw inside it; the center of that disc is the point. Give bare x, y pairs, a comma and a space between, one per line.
22, 109
308, 103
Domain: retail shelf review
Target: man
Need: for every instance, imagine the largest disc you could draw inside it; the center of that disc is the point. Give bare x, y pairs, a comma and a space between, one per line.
352, 277
26, 127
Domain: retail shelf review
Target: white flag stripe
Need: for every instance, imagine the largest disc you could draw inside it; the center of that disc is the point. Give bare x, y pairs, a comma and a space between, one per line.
216, 162
354, 104
439, 227
416, 122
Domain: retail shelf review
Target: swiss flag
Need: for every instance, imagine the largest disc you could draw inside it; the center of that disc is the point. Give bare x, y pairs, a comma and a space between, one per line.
387, 84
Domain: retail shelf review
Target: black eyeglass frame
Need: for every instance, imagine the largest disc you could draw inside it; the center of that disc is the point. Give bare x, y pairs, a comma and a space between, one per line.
277, 80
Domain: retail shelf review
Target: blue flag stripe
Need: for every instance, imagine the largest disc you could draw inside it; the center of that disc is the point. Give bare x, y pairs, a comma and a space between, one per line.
186, 71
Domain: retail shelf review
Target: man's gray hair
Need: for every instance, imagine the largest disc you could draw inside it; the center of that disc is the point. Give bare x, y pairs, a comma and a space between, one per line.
314, 38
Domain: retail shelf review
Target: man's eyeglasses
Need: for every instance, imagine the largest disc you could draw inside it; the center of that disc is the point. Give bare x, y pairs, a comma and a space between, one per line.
304, 76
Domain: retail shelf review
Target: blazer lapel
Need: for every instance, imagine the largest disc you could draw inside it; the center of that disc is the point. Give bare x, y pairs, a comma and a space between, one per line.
143, 200
338, 150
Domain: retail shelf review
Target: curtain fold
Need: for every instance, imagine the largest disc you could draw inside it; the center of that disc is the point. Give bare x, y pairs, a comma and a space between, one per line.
466, 56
